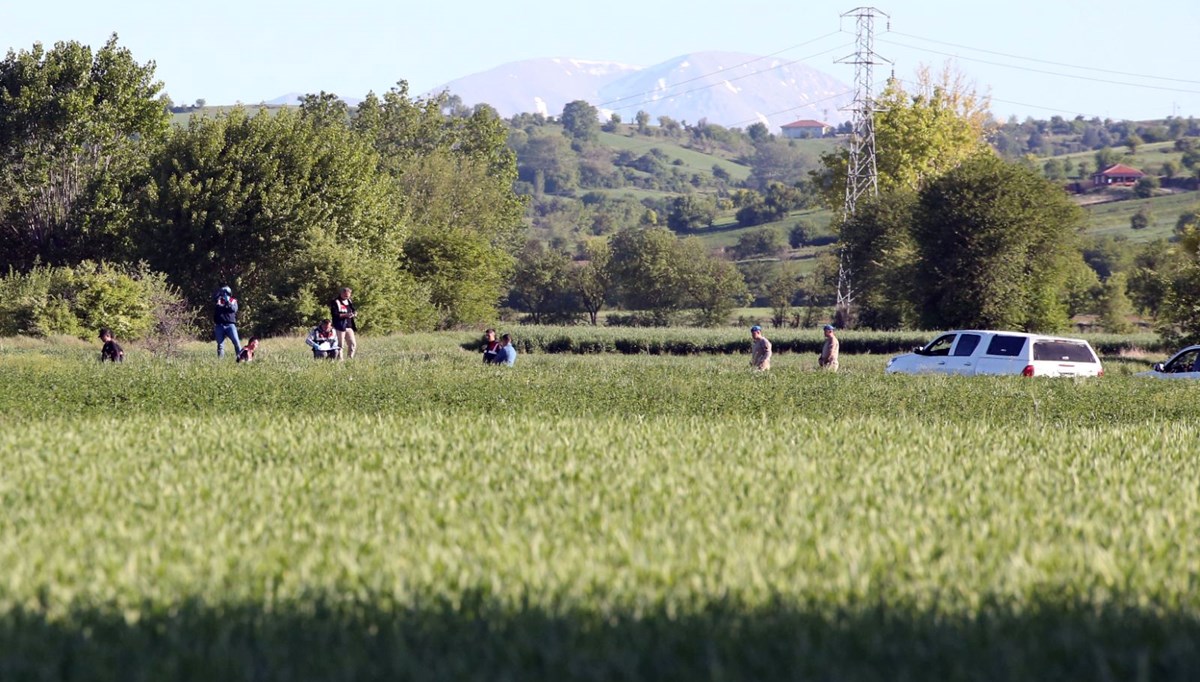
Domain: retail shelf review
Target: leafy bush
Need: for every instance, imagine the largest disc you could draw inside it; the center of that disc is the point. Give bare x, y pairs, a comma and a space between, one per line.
79, 300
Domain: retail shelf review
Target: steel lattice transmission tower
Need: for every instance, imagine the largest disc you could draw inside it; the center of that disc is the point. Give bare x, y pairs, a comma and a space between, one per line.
861, 173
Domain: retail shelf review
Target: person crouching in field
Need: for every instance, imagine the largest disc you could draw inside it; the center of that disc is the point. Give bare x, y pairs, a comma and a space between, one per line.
246, 354
323, 340
506, 354
112, 350
760, 350
491, 347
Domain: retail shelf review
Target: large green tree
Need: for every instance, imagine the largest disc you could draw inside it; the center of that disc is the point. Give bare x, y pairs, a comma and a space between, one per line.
880, 255
581, 121
994, 243
75, 128
455, 177
919, 135
661, 274
285, 208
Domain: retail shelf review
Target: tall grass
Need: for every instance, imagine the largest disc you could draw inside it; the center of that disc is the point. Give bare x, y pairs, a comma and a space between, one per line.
416, 515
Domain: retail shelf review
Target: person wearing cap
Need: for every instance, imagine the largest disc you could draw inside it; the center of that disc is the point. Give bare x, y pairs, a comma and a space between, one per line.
225, 309
828, 359
760, 350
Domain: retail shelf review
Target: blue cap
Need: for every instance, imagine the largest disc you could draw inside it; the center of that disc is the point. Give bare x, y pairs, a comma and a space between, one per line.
756, 328
227, 290
828, 328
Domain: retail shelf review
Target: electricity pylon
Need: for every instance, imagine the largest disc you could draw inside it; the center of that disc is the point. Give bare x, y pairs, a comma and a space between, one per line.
861, 174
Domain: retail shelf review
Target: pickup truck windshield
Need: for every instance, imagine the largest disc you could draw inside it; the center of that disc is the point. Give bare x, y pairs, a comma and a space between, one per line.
1062, 351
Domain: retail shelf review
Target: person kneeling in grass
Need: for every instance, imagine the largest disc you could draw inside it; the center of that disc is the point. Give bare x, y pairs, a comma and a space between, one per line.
246, 354
323, 341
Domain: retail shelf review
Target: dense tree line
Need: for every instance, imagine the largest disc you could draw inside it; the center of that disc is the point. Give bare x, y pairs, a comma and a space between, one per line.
410, 205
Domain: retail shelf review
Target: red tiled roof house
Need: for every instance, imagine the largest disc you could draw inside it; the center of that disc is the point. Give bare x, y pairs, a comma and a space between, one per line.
1117, 174
806, 128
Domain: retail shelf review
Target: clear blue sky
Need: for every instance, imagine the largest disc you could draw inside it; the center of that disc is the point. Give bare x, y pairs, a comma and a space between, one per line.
1141, 55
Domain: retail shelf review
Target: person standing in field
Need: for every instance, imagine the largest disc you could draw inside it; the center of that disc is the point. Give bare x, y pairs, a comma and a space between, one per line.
341, 313
760, 350
225, 310
828, 359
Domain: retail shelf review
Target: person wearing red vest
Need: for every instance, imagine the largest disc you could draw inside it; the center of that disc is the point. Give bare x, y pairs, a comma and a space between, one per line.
341, 313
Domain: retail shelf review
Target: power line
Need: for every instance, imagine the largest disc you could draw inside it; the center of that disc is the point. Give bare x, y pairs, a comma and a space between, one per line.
722, 82
791, 109
1042, 71
1047, 61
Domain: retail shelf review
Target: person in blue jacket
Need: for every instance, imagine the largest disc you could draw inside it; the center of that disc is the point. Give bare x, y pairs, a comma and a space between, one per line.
507, 354
225, 309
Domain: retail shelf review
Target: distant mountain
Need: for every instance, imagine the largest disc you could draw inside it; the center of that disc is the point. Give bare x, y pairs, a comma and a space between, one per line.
540, 86
727, 88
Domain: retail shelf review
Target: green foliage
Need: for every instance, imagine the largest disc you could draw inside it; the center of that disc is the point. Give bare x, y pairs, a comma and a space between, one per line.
993, 242
75, 127
1145, 187
1115, 307
799, 235
581, 121
650, 271
1141, 219
455, 175
593, 280
79, 300
542, 284
690, 212
881, 256
757, 243
924, 134
286, 209
661, 274
714, 286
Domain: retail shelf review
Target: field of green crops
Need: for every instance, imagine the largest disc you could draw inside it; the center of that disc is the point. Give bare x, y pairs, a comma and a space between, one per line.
415, 515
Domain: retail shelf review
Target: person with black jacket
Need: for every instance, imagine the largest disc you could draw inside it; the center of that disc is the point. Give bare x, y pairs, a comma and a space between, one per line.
341, 313
225, 309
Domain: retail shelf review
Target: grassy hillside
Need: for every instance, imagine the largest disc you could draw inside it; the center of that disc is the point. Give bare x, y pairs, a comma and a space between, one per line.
692, 161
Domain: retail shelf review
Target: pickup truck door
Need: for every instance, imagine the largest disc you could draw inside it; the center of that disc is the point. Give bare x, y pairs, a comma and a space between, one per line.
962, 357
934, 357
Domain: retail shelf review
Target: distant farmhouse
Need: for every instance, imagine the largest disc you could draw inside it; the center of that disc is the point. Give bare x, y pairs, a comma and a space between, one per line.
797, 130
1117, 174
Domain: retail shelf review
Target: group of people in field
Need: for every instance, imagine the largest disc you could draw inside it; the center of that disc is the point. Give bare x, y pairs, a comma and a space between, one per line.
335, 338
498, 351
760, 350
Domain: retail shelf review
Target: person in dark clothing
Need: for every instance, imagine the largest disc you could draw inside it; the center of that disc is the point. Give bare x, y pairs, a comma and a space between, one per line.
112, 350
491, 347
225, 309
341, 313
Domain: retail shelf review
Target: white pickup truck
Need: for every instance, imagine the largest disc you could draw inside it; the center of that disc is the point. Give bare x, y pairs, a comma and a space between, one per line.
972, 351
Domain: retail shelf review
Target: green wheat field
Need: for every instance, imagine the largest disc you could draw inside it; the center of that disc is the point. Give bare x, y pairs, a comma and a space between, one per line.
414, 515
